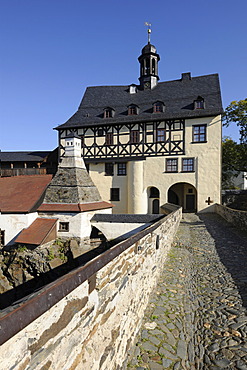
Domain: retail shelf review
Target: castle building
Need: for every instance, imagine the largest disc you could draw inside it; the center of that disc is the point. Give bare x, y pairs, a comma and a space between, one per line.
152, 143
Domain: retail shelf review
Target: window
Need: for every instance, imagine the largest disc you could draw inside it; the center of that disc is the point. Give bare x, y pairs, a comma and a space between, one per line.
134, 136
109, 169
108, 112
109, 139
2, 238
115, 194
63, 226
172, 165
188, 165
132, 110
199, 103
199, 134
121, 169
100, 132
158, 107
160, 135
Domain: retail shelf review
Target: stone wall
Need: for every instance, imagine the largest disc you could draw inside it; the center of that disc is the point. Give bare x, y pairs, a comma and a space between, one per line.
88, 318
236, 217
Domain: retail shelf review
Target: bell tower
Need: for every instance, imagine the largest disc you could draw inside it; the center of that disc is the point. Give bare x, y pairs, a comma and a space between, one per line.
148, 64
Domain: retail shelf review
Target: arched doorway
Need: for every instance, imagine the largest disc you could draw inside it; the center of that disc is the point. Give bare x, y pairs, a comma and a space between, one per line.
184, 195
153, 200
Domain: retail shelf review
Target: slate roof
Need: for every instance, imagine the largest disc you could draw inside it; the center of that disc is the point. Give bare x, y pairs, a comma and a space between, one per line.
124, 218
23, 156
178, 97
22, 194
37, 232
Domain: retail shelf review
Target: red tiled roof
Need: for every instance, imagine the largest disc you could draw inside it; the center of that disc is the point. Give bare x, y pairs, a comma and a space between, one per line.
37, 231
73, 207
20, 194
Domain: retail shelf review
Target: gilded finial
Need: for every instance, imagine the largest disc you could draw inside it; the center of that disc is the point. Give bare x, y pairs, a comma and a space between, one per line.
149, 30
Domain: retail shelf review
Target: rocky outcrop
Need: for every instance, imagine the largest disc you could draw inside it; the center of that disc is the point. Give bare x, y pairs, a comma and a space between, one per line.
23, 270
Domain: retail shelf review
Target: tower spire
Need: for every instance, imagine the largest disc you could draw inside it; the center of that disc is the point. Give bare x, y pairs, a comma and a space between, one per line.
149, 30
148, 64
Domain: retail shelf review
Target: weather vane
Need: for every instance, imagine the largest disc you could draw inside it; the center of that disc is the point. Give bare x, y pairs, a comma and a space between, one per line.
149, 30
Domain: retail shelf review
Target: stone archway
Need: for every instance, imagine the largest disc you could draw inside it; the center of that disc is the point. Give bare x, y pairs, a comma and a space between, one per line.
184, 195
153, 200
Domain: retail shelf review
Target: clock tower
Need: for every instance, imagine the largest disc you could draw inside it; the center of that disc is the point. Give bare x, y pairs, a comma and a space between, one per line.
148, 65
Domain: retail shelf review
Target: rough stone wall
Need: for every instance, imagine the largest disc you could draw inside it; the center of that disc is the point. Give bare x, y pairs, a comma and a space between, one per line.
94, 325
236, 217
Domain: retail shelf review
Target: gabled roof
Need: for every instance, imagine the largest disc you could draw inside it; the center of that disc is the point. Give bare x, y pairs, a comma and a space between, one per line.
22, 194
38, 232
37, 156
178, 97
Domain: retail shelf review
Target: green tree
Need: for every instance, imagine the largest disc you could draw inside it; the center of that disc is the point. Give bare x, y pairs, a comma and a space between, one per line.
237, 112
234, 161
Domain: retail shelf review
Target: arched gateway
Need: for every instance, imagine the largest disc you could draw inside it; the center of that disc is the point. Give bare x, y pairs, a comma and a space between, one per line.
184, 195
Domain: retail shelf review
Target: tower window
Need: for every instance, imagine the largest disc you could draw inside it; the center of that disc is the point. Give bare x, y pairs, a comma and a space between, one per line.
109, 138
109, 169
134, 136
121, 169
188, 165
115, 194
132, 110
199, 134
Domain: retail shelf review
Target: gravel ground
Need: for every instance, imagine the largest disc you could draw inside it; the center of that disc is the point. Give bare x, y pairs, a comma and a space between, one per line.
197, 317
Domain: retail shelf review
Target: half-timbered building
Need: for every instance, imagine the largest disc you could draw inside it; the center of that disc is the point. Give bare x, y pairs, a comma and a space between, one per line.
152, 143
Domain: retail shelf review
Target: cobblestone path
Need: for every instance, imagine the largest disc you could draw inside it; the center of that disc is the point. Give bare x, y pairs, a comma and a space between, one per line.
197, 316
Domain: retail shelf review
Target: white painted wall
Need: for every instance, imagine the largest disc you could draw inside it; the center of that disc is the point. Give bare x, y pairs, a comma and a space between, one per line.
79, 223
113, 230
14, 223
206, 178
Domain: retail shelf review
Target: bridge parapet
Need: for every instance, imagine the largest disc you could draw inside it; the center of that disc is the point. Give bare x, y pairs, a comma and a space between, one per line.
89, 317
234, 216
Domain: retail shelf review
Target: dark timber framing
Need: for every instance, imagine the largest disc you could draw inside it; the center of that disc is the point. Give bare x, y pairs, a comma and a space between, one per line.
122, 147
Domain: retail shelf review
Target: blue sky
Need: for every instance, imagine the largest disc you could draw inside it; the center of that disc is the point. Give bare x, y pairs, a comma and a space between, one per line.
51, 50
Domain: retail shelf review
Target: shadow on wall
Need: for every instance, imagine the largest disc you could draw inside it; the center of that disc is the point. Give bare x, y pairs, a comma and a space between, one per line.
23, 290
230, 244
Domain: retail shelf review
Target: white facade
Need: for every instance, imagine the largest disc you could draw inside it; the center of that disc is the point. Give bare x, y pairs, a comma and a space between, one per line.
13, 223
79, 225
202, 183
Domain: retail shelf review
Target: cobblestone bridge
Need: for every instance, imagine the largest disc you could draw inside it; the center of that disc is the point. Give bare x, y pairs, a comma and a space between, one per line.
197, 317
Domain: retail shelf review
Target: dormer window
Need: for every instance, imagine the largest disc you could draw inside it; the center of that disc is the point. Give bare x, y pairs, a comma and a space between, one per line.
108, 113
199, 103
132, 110
158, 107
